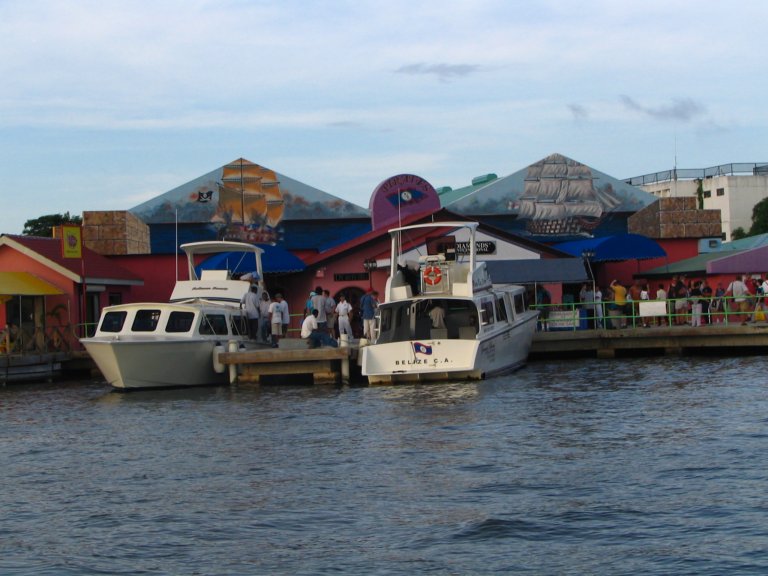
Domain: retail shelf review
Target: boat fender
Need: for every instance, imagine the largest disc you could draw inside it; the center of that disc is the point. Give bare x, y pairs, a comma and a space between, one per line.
433, 275
233, 346
218, 367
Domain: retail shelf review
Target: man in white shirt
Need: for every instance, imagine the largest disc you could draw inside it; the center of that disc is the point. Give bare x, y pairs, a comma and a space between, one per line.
250, 302
344, 309
276, 319
311, 331
740, 303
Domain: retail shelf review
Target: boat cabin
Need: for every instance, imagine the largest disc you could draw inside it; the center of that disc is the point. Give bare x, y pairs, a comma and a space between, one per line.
172, 321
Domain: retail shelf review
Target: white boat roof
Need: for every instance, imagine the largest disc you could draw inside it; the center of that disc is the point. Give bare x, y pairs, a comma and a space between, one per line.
216, 246
472, 225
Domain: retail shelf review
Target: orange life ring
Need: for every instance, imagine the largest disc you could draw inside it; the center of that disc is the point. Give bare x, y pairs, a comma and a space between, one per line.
432, 275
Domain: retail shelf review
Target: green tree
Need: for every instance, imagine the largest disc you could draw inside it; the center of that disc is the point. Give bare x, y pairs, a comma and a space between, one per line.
44, 225
759, 218
738, 233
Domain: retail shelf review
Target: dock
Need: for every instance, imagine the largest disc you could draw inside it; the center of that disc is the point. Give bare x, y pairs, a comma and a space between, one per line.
293, 358
732, 339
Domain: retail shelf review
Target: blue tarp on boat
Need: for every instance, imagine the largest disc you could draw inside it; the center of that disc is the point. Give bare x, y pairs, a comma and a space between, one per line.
274, 260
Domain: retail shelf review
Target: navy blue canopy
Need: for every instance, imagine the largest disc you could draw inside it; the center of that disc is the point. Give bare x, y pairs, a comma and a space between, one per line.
274, 260
618, 247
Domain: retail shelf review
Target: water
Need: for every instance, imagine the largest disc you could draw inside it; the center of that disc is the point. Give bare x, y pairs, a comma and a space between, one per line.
583, 467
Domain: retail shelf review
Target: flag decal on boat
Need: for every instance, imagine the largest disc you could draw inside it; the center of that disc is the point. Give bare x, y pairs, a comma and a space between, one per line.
420, 348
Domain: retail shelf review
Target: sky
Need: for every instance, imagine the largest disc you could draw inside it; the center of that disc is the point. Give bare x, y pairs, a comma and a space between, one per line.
106, 104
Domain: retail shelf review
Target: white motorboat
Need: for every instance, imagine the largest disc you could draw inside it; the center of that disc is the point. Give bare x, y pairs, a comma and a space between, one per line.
450, 322
160, 345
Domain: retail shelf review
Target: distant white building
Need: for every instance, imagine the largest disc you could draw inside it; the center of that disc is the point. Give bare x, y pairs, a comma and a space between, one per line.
734, 189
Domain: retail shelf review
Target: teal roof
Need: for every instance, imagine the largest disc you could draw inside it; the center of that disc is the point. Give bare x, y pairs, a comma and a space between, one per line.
747, 243
690, 266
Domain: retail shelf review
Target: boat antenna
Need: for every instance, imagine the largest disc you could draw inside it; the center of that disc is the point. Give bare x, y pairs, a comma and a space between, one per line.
176, 222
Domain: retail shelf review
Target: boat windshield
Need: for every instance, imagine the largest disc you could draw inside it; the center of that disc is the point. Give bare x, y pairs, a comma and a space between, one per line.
427, 318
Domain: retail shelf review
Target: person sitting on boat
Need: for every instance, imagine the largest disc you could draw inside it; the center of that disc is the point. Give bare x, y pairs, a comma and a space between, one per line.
437, 314
311, 331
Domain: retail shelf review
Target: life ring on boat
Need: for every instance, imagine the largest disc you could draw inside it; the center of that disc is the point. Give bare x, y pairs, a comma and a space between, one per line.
433, 275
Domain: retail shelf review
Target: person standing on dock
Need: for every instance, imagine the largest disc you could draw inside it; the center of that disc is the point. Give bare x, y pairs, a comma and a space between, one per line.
251, 304
620, 302
368, 304
264, 320
318, 303
330, 312
344, 309
276, 319
740, 305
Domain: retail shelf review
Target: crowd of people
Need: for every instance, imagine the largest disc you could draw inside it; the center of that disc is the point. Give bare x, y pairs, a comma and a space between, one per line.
324, 322
687, 302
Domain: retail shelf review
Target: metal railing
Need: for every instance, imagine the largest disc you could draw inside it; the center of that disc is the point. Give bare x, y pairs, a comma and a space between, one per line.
722, 310
731, 169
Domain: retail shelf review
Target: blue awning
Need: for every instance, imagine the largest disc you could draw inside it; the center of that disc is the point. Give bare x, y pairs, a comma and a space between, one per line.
274, 260
543, 270
613, 248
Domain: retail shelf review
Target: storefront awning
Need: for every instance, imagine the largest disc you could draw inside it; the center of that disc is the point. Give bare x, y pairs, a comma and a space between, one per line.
544, 270
25, 284
614, 248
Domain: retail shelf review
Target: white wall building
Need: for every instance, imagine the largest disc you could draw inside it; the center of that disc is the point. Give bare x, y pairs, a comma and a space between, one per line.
734, 189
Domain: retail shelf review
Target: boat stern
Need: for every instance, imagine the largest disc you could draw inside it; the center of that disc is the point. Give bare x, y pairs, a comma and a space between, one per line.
413, 361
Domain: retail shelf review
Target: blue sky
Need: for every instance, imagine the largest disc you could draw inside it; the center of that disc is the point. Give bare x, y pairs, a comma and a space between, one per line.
105, 104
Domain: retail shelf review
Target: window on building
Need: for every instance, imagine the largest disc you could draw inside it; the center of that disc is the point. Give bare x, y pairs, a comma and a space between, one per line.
707, 193
721, 191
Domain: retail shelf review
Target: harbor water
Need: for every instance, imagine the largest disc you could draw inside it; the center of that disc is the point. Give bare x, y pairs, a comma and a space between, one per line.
637, 466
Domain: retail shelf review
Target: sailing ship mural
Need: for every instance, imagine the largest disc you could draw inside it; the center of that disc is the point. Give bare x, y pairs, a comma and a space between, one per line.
560, 198
240, 201
250, 203
553, 199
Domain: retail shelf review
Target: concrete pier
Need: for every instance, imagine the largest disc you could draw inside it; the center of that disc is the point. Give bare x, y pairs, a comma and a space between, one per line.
660, 340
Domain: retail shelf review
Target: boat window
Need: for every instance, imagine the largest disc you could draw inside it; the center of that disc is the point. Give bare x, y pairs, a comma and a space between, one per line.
113, 321
239, 325
501, 308
385, 319
486, 311
180, 322
519, 303
145, 321
213, 324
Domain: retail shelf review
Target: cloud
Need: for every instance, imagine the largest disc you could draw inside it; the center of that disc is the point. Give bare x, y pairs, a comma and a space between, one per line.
578, 111
444, 72
683, 109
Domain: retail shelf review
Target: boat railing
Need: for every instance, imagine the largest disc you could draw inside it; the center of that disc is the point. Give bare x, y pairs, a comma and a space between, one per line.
613, 315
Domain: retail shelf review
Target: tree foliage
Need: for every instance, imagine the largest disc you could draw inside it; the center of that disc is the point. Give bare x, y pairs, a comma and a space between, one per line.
44, 225
738, 233
759, 218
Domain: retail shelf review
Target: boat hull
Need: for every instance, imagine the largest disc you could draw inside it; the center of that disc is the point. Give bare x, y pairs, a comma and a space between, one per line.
448, 360
134, 364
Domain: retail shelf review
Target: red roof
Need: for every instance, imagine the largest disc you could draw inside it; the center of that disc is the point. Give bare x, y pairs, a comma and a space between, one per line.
97, 267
